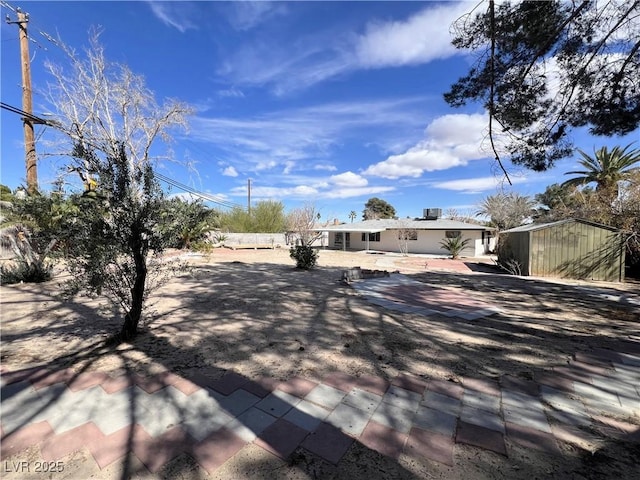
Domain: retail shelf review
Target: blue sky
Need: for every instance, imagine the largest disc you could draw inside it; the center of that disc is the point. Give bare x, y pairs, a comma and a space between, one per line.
324, 102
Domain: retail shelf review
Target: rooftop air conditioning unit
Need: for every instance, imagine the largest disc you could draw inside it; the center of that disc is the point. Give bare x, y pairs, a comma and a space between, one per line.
432, 213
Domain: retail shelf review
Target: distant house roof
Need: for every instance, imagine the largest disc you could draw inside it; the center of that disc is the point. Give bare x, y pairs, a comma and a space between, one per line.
539, 226
372, 226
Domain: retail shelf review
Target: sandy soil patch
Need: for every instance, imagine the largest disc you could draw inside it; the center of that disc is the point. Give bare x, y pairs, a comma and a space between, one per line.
252, 312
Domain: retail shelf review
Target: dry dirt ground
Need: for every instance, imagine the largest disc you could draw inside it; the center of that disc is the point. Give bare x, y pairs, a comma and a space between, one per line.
252, 312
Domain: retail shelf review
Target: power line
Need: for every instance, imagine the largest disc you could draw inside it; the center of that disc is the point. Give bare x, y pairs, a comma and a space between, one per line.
38, 120
29, 116
205, 196
34, 26
6, 5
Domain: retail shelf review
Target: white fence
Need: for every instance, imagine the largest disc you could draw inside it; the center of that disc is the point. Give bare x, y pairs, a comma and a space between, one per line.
274, 240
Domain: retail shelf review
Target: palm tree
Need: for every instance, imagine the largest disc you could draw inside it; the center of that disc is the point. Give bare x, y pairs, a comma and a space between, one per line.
455, 246
605, 169
19, 232
352, 215
506, 210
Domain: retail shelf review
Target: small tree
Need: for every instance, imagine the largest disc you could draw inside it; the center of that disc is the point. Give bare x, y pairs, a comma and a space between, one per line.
30, 227
455, 245
185, 223
267, 216
352, 215
301, 223
116, 239
606, 168
6, 195
115, 128
236, 220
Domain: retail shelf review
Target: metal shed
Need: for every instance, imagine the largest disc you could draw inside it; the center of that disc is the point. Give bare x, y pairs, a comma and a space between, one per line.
571, 248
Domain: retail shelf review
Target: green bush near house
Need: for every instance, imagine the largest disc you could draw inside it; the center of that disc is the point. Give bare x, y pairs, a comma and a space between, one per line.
304, 255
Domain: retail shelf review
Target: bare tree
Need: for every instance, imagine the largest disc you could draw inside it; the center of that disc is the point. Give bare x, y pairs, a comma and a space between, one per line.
466, 215
115, 129
405, 234
302, 222
452, 213
105, 107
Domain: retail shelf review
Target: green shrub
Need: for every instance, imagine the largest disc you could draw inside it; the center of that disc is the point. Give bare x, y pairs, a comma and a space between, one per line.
455, 245
220, 237
25, 272
304, 255
202, 246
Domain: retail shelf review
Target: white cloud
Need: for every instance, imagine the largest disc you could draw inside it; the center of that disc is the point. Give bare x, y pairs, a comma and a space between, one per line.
172, 14
303, 187
246, 15
321, 56
349, 179
232, 92
420, 39
450, 141
469, 184
317, 192
265, 165
282, 139
288, 167
230, 171
293, 67
355, 192
261, 192
327, 167
304, 191
476, 185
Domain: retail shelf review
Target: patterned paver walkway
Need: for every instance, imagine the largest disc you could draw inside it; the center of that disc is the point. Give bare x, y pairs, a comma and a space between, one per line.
160, 417
400, 293
211, 419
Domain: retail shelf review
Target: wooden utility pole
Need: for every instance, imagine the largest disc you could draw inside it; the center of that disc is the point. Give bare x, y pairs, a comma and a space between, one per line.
27, 102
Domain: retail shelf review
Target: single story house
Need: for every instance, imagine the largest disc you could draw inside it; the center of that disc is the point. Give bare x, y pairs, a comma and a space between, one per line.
421, 235
572, 248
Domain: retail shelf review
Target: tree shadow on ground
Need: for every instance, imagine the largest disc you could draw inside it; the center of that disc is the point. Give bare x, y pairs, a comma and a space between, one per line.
275, 322
158, 350
482, 267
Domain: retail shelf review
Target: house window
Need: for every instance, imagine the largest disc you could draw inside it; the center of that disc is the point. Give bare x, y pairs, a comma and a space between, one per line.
373, 237
408, 235
453, 234
338, 239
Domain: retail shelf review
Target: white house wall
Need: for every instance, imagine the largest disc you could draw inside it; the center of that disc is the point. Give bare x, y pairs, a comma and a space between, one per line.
428, 242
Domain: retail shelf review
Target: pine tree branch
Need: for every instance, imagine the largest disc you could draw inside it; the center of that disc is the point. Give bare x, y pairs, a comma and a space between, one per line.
492, 90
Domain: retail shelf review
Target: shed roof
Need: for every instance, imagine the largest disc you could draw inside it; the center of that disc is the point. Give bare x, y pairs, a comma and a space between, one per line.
539, 226
373, 226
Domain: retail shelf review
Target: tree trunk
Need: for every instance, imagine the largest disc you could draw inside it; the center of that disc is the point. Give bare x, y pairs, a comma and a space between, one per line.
132, 318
